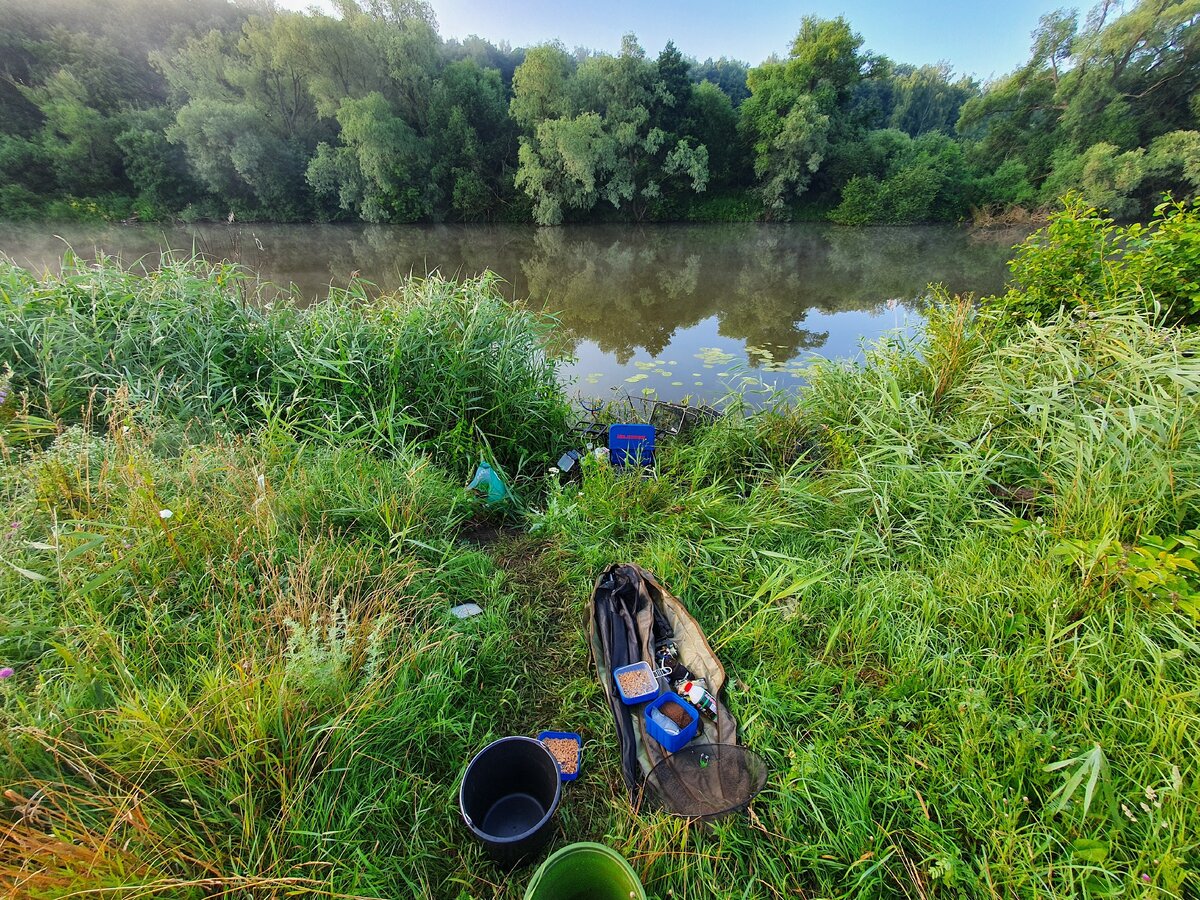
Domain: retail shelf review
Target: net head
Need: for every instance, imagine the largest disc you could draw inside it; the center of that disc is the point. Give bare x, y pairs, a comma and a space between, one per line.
706, 781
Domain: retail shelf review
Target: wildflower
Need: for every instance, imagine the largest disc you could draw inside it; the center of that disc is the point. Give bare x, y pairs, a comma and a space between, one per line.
1145, 877
6, 672
554, 470
165, 514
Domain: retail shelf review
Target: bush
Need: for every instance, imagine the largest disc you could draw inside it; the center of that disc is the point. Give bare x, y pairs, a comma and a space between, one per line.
1163, 257
1082, 260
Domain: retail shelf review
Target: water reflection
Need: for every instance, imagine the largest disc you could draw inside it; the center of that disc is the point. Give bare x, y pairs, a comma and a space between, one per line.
674, 309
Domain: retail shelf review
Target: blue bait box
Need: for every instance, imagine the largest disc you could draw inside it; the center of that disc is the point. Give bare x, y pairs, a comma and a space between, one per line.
629, 699
672, 742
631, 445
570, 736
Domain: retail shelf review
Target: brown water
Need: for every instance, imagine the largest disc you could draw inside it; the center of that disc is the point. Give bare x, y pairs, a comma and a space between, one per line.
672, 309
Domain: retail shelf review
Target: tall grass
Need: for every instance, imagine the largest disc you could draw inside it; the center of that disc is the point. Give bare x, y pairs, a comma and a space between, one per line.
448, 365
918, 576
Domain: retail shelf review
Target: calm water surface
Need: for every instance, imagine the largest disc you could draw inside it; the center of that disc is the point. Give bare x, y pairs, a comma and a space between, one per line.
675, 309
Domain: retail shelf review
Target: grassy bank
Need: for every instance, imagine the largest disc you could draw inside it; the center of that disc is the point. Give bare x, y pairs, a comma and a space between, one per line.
954, 589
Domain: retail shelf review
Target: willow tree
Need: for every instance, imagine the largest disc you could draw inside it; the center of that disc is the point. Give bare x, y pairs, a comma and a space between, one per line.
596, 133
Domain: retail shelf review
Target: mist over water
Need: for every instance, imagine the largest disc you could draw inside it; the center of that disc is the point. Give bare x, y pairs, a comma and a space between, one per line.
678, 310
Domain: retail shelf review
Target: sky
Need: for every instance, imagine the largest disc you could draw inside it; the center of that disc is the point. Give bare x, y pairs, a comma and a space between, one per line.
977, 38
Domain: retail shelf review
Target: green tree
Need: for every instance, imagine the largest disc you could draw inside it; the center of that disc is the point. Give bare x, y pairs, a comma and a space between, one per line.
907, 181
727, 74
155, 167
246, 121
378, 171
1103, 176
674, 90
795, 106
541, 86
473, 139
76, 139
598, 139
927, 98
712, 122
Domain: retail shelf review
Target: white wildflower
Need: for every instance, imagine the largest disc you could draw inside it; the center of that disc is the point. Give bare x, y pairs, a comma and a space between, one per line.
165, 514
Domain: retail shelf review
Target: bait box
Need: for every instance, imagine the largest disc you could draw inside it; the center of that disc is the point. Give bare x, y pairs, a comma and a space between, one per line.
672, 742
642, 666
570, 736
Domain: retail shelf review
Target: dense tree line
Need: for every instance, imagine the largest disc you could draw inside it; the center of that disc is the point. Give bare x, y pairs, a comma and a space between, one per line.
203, 109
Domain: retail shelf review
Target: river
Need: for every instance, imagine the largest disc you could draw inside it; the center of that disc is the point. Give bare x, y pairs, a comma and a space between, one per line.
666, 311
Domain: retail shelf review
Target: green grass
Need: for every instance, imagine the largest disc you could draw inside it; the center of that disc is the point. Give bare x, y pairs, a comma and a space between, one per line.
445, 366
920, 577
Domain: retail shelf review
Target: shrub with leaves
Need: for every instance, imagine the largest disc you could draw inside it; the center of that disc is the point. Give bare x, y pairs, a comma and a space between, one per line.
1083, 260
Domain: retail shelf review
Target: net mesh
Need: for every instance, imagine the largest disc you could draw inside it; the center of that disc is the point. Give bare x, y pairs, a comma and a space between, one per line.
706, 781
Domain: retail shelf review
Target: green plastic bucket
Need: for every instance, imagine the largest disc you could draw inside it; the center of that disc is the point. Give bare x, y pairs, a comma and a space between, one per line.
585, 871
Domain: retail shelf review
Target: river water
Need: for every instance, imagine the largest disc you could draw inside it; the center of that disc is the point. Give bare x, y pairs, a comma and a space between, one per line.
666, 311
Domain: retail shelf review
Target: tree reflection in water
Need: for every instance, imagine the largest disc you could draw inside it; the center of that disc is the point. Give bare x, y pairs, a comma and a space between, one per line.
764, 295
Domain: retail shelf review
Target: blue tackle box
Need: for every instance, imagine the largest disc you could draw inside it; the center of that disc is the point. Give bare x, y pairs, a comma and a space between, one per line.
631, 445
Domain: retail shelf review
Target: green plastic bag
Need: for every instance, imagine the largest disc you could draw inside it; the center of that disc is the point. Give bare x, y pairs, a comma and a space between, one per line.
485, 476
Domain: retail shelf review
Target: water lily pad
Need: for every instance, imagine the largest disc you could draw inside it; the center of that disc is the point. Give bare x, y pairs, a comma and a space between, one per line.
634, 379
645, 365
699, 384
714, 355
676, 384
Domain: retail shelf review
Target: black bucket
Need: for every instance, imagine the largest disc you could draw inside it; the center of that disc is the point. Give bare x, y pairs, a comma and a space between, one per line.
508, 797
